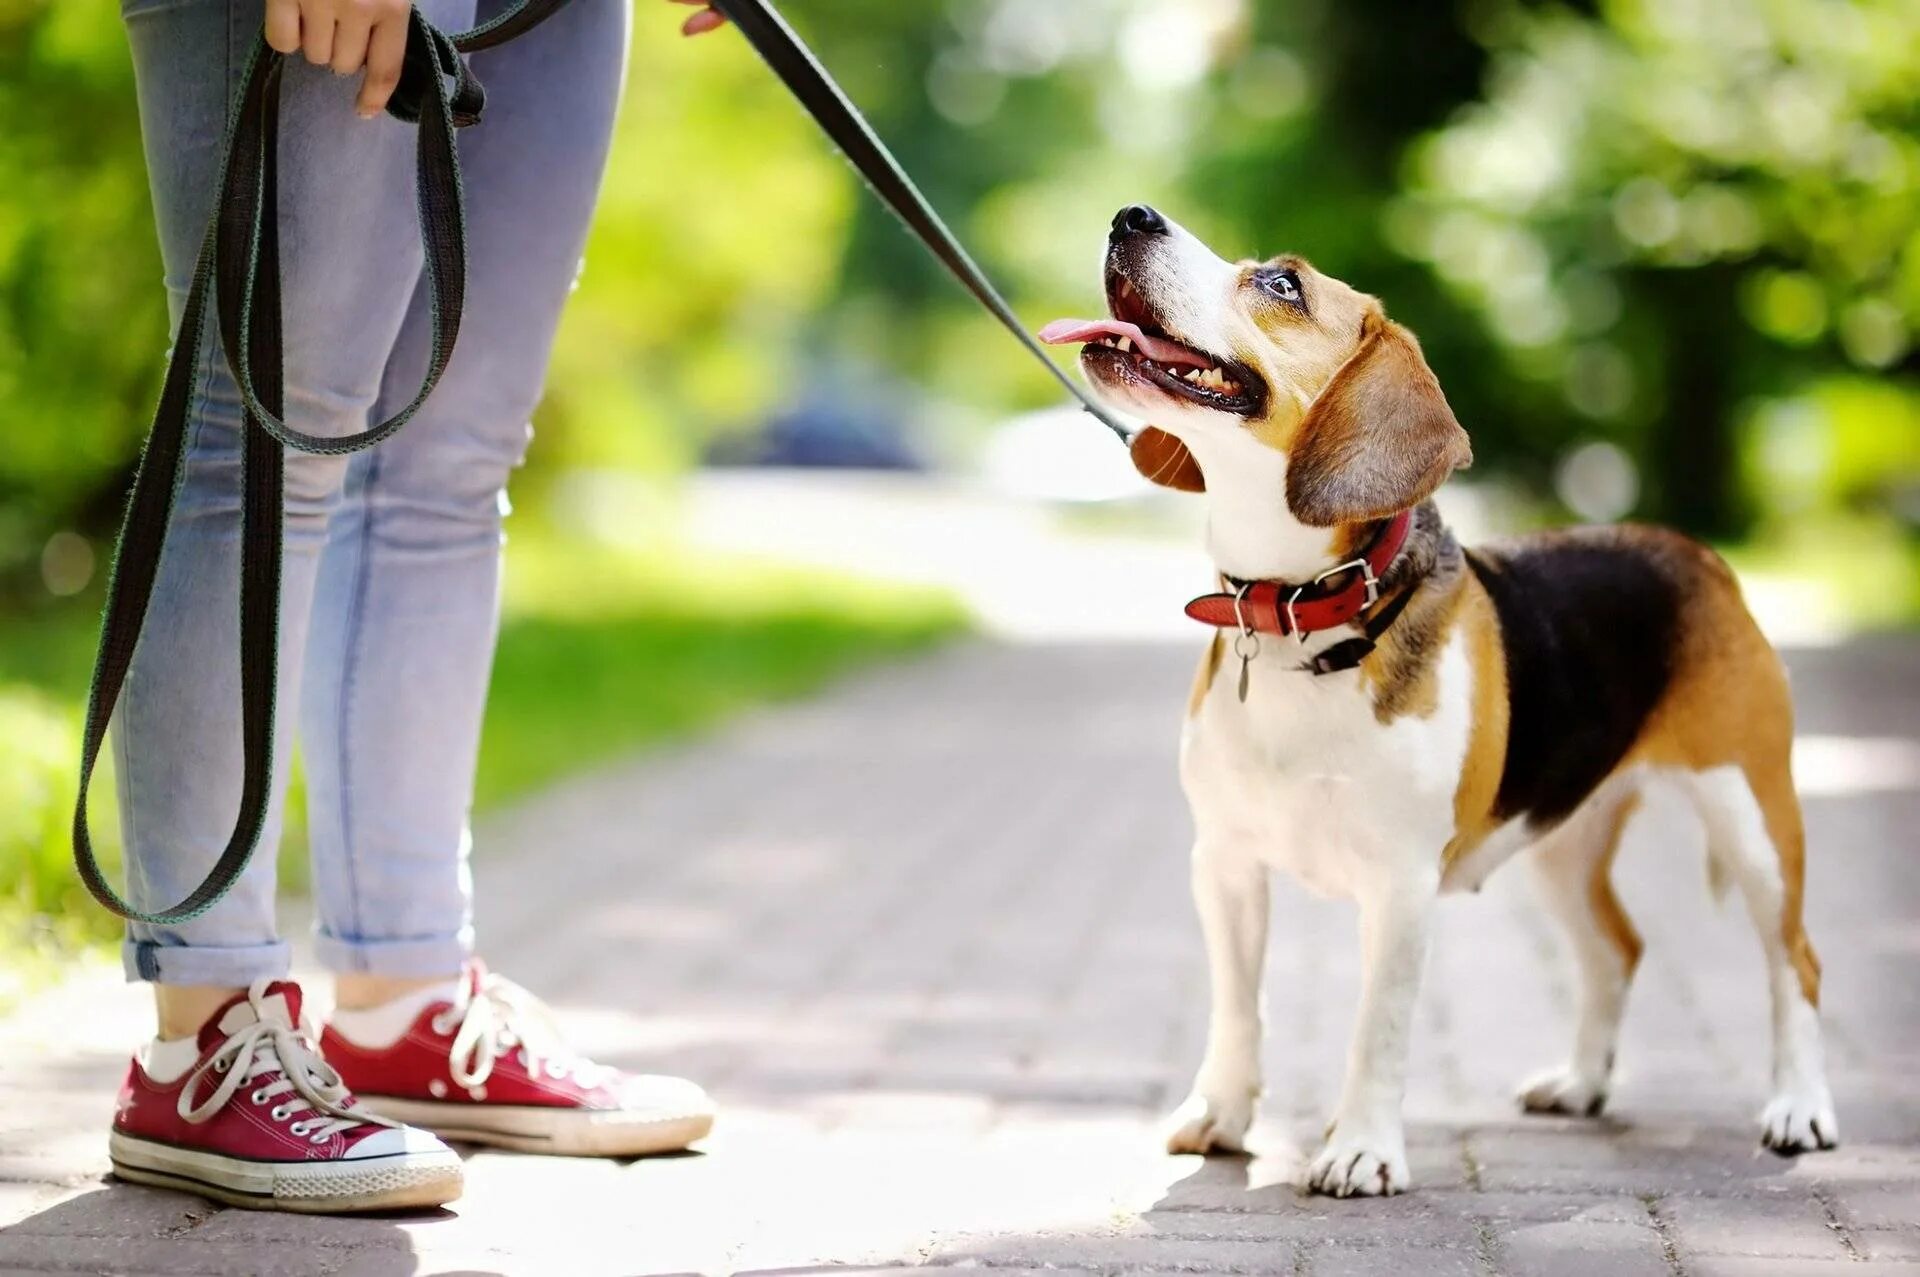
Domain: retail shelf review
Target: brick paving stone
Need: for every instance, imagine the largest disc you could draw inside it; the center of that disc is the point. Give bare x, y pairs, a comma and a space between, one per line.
1748, 1266
1332, 1258
943, 974
1878, 1205
1739, 1226
1888, 1243
1124, 1252
1581, 1248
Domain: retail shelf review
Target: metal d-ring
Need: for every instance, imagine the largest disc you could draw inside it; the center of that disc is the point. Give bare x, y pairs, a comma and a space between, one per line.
1246, 634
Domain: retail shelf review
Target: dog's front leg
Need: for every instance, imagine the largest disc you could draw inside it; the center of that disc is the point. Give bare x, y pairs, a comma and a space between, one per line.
1230, 890
1366, 1151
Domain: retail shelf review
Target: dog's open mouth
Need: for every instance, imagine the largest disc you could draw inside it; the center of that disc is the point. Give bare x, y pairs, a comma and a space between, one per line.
1132, 345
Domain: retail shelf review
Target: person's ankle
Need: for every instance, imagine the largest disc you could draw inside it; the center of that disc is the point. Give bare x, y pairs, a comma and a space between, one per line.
362, 991
180, 1009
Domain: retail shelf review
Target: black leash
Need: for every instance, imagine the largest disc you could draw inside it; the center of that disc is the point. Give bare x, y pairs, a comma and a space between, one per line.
787, 55
238, 269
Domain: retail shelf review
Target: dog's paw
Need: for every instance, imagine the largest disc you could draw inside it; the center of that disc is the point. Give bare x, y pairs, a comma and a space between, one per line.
1799, 1120
1360, 1164
1567, 1091
1206, 1125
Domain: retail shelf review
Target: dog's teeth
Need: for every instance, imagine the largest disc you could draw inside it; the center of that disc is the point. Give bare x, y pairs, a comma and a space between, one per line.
1125, 343
1193, 375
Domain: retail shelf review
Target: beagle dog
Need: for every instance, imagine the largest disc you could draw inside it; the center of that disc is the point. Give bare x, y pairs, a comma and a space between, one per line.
1390, 716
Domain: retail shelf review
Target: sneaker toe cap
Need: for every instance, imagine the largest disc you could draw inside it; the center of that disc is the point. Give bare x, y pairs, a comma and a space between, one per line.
393, 1141
659, 1095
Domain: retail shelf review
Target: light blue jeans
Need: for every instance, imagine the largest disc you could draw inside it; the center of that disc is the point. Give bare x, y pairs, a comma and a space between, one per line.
390, 597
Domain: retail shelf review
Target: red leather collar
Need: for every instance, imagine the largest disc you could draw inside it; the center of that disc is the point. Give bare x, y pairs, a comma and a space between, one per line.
1281, 607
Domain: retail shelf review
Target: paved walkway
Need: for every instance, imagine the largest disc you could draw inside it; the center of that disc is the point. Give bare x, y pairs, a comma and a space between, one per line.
928, 940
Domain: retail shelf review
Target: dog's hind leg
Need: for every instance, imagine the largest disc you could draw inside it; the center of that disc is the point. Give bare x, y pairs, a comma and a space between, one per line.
1230, 891
1754, 831
1574, 868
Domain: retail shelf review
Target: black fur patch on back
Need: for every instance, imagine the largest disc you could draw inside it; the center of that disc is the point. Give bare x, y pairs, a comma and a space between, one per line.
1589, 620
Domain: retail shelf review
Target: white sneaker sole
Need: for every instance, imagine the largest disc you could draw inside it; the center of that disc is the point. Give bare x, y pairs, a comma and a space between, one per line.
399, 1181
540, 1129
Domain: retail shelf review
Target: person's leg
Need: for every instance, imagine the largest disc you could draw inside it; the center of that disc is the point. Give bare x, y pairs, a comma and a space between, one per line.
403, 639
232, 1100
351, 257
397, 671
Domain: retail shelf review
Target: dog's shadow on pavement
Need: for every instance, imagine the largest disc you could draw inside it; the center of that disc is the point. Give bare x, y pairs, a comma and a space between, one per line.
1544, 1157
1268, 1177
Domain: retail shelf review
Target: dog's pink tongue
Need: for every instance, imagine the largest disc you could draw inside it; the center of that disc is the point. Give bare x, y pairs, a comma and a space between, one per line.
1063, 332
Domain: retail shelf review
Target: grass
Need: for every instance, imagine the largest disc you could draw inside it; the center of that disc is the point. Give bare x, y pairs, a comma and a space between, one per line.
602, 652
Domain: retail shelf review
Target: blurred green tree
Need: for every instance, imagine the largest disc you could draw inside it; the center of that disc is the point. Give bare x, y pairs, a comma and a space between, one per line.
1684, 230
1680, 205
83, 320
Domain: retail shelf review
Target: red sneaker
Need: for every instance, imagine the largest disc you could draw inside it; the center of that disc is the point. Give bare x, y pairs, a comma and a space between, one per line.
489, 1067
262, 1121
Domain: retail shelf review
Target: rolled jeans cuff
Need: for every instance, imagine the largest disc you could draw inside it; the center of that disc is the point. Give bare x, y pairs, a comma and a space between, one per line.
412, 958
228, 966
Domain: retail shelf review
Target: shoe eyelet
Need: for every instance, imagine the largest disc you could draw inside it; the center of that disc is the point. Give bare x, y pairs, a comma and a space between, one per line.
258, 1097
219, 1066
298, 1129
318, 1139
281, 1113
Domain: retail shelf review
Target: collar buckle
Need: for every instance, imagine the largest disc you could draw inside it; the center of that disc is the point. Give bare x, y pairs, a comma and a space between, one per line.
1367, 577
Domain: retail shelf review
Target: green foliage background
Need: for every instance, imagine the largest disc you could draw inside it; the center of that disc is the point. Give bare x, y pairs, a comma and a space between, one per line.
1686, 228
1679, 236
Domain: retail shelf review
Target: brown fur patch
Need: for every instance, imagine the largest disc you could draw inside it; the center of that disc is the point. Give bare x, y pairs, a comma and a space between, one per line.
1473, 801
1402, 673
1729, 705
1607, 910
1204, 676
1379, 438
1304, 348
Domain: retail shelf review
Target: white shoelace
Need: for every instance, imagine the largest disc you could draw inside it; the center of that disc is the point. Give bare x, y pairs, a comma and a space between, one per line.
305, 1082
501, 1017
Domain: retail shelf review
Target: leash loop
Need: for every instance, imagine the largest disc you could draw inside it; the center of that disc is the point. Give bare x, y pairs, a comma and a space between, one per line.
237, 273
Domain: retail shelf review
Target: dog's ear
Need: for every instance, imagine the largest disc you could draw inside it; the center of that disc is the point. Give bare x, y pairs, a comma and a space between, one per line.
1379, 439
1165, 460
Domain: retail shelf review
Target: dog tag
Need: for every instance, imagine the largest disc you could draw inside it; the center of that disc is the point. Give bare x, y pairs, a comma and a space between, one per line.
1246, 646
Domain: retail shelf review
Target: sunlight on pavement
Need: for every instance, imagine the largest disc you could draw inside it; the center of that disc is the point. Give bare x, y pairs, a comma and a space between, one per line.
1029, 570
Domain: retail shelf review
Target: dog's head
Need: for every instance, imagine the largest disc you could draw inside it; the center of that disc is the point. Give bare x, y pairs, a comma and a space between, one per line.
1222, 356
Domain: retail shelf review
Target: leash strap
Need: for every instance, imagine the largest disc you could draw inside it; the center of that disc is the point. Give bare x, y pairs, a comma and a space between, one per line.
788, 56
238, 272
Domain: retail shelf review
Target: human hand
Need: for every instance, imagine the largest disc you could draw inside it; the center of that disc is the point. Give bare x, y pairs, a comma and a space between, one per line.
708, 19
348, 36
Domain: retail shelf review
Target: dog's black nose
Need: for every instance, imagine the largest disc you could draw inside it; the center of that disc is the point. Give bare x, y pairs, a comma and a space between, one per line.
1137, 219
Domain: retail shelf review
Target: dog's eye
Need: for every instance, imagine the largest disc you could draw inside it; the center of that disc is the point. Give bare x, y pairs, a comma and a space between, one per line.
1283, 284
